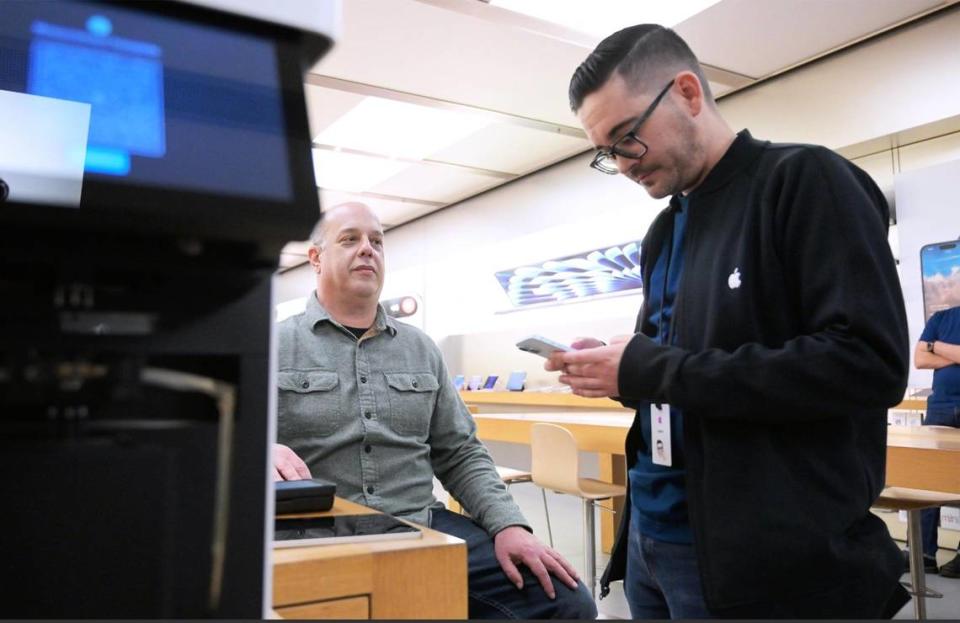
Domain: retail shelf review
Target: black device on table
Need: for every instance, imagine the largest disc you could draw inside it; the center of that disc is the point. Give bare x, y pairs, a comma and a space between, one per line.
304, 496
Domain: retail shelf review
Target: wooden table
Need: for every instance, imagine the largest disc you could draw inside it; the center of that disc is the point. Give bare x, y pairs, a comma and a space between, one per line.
539, 400
913, 404
423, 578
926, 457
923, 465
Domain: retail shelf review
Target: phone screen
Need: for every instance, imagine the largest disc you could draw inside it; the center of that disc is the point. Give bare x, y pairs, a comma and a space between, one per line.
491, 382
516, 381
940, 272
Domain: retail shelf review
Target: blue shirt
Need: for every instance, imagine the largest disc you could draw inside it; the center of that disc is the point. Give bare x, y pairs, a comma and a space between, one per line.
658, 493
944, 326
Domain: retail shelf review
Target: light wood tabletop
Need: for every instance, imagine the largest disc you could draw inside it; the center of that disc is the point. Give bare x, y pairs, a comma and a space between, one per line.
424, 578
540, 399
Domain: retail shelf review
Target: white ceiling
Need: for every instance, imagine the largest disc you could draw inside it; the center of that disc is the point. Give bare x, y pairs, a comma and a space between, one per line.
424, 103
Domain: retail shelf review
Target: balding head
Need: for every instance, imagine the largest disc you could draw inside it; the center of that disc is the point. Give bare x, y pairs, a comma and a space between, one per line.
335, 214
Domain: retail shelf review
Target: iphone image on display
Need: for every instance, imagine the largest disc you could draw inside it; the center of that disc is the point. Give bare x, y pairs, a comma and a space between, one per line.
940, 274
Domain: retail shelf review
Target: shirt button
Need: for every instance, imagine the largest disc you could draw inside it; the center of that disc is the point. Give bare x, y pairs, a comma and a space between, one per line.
368, 448
306, 385
363, 379
368, 415
415, 384
370, 490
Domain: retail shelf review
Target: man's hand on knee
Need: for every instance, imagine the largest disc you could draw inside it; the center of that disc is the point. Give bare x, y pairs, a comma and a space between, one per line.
287, 465
515, 545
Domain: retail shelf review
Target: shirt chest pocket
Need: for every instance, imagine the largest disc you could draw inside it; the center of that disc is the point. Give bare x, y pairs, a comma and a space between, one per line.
310, 404
412, 399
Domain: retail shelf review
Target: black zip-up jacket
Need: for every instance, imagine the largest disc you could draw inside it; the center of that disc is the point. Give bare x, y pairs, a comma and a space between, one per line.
791, 345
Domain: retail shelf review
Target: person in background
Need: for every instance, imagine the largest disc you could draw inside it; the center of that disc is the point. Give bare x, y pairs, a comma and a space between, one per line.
771, 340
939, 350
366, 402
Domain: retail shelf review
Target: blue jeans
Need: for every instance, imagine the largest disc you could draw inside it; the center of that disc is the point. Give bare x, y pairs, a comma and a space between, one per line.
492, 595
930, 517
663, 581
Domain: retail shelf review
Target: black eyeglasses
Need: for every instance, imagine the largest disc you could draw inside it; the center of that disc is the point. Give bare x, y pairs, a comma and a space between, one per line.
628, 145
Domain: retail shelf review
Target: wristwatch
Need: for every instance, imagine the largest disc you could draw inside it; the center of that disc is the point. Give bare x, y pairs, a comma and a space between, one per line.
929, 347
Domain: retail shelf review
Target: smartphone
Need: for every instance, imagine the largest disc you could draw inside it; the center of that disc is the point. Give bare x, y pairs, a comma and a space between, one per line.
474, 383
490, 382
516, 381
940, 275
539, 345
458, 382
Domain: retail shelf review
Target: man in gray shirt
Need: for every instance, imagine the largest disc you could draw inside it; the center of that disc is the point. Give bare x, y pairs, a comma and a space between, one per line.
367, 402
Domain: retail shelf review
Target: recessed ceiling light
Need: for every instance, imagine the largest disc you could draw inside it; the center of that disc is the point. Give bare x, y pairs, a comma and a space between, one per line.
352, 172
399, 129
600, 18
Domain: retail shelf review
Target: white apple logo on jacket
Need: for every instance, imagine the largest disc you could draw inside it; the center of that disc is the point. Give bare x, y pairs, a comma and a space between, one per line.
734, 279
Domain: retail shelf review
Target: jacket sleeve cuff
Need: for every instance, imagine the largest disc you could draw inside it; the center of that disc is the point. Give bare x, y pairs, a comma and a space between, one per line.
505, 518
638, 377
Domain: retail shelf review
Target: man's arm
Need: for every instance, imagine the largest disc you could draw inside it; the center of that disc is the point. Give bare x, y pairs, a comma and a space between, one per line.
950, 352
926, 360
464, 466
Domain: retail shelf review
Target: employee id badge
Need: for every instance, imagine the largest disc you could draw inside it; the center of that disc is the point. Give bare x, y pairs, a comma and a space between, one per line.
660, 434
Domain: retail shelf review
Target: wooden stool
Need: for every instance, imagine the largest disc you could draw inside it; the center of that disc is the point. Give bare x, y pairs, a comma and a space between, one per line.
556, 466
913, 501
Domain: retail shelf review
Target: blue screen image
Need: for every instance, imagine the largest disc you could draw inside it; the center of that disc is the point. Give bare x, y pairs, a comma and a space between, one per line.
598, 272
122, 79
175, 104
940, 266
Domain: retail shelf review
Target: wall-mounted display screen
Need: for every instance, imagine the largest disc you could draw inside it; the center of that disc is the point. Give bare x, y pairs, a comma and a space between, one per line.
940, 270
166, 103
601, 271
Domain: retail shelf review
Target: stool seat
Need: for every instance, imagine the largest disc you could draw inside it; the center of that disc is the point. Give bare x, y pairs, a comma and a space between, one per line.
902, 498
510, 475
913, 501
598, 489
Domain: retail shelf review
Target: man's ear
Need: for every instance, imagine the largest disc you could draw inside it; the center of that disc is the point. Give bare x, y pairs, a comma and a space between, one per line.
691, 91
313, 255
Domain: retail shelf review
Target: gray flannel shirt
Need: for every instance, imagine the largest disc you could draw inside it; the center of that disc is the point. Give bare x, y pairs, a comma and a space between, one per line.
379, 416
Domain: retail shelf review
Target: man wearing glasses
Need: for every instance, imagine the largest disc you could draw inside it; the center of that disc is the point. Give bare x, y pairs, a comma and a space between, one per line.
771, 340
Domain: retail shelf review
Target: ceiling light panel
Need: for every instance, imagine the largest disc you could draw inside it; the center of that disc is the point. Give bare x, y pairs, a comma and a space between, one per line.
352, 172
391, 212
325, 106
788, 31
436, 183
600, 18
511, 148
398, 129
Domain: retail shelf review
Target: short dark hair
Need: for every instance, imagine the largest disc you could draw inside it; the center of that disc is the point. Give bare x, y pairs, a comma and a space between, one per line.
638, 54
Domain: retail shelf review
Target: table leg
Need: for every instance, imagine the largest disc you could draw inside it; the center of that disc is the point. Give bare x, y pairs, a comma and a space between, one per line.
613, 468
917, 575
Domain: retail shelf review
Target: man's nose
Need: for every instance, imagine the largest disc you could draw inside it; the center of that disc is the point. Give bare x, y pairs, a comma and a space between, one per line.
367, 247
624, 164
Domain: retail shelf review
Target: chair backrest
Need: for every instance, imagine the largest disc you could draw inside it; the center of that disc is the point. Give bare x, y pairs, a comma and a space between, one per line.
555, 458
